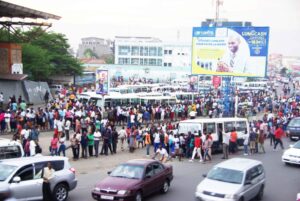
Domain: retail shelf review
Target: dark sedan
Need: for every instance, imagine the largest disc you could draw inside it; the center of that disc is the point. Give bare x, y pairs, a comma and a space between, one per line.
134, 180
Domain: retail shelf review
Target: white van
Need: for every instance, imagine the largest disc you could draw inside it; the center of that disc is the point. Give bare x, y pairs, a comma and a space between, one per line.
213, 126
10, 149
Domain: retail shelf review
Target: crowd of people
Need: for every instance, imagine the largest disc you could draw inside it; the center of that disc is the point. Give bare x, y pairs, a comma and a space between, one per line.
86, 126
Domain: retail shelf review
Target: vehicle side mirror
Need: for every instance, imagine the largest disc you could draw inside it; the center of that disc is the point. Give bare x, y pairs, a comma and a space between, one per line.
108, 172
204, 175
16, 179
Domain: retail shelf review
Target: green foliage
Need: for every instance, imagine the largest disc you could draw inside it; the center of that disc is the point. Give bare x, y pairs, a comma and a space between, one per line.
88, 53
45, 53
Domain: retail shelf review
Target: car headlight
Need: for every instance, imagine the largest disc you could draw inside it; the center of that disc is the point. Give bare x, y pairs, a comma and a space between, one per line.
231, 196
97, 189
123, 192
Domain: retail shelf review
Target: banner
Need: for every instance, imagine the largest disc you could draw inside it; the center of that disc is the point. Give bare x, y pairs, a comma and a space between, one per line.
102, 82
233, 51
193, 83
216, 81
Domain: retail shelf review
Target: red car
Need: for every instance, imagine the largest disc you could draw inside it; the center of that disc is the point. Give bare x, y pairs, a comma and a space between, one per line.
134, 180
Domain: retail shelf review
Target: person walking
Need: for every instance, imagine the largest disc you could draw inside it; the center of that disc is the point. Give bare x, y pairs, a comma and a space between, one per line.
246, 143
48, 174
84, 145
147, 143
252, 139
75, 147
233, 141
54, 145
279, 133
62, 146
114, 140
197, 148
207, 148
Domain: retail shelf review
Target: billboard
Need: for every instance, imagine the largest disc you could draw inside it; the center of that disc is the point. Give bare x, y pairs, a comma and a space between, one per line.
102, 81
231, 51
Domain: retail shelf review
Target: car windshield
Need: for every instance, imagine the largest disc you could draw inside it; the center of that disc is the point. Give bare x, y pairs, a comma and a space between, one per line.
128, 171
294, 123
297, 145
226, 175
5, 171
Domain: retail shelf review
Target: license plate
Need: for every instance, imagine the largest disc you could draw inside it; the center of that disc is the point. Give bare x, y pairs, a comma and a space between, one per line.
107, 197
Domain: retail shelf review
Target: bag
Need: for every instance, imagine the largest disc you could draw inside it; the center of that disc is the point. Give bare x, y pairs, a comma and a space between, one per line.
38, 149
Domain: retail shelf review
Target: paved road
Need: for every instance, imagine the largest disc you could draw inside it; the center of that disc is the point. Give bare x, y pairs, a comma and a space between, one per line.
283, 182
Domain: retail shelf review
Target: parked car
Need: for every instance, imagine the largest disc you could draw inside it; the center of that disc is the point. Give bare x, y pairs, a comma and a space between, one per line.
24, 177
134, 180
236, 179
10, 149
293, 128
292, 155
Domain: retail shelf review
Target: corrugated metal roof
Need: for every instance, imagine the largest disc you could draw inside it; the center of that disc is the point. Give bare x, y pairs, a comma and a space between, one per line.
13, 10
13, 76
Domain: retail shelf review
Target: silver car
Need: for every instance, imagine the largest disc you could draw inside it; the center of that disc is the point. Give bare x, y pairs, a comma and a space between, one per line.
24, 177
236, 179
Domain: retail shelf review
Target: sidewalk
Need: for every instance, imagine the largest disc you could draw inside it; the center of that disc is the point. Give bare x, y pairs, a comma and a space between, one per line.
82, 165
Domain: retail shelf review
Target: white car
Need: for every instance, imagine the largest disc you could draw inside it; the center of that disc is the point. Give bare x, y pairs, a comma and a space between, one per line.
236, 179
292, 155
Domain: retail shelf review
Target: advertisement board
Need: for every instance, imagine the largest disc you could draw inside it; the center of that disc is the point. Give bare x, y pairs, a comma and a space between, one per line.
193, 83
102, 81
230, 51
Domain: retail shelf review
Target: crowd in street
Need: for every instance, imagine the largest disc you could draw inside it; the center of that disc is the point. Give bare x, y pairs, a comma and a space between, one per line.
92, 131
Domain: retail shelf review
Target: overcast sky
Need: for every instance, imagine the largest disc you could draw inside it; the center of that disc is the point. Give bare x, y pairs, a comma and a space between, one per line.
166, 18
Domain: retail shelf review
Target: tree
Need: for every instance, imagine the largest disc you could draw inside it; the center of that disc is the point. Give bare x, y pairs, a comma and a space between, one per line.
45, 53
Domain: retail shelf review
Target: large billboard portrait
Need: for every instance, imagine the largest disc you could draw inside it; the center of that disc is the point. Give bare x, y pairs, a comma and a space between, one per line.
231, 51
102, 81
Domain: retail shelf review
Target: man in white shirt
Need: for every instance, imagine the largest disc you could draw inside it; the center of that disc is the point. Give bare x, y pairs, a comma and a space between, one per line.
164, 156
156, 140
48, 174
7, 116
226, 137
67, 128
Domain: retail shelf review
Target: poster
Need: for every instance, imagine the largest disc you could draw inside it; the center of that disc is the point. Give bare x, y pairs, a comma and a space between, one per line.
230, 51
102, 82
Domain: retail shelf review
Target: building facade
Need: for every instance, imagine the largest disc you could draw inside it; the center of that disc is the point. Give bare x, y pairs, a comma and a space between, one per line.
144, 51
92, 47
177, 54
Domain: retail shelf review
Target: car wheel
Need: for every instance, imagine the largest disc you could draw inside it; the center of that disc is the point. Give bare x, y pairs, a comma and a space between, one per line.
60, 192
260, 193
139, 196
165, 187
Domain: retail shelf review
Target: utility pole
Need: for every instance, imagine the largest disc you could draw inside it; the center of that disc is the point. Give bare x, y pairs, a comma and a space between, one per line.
218, 4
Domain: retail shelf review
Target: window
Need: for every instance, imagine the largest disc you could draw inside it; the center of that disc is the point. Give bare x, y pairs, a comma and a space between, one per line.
149, 171
241, 126
142, 51
124, 50
170, 51
134, 61
152, 51
10, 152
228, 126
58, 165
165, 51
159, 62
165, 64
209, 128
169, 64
25, 173
159, 51
141, 61
38, 170
157, 168
146, 51
134, 50
145, 61
152, 62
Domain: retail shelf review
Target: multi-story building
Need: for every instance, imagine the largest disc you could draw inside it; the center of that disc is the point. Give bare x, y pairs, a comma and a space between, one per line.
148, 51
138, 51
92, 47
177, 54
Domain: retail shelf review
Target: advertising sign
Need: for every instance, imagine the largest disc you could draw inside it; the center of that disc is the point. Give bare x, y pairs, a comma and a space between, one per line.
102, 82
230, 51
216, 81
193, 83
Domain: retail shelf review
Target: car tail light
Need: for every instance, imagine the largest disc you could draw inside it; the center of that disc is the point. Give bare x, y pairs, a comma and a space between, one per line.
72, 170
